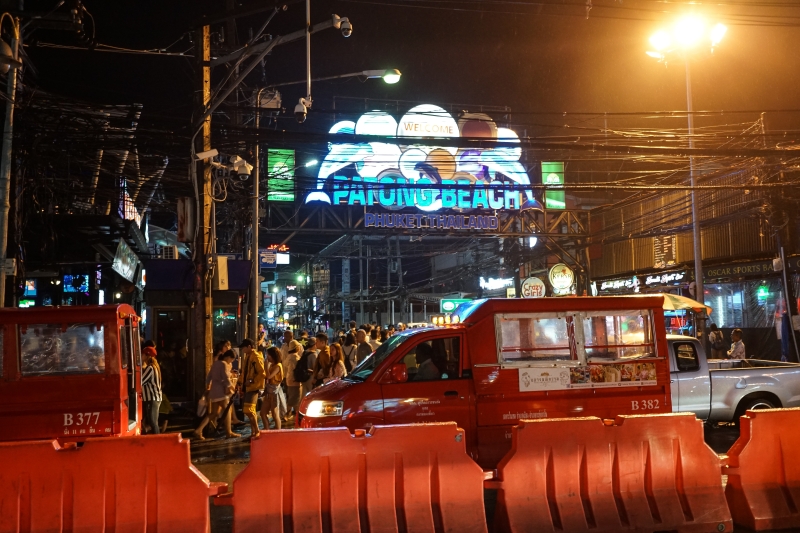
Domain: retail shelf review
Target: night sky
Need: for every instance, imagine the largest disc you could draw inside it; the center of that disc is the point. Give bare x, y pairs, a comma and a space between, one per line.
545, 61
486, 53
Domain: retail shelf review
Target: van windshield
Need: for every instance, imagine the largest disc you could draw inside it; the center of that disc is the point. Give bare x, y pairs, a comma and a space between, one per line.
366, 367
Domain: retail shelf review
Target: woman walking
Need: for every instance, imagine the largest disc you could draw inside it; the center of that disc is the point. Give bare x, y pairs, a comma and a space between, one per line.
151, 388
271, 402
221, 391
349, 350
336, 369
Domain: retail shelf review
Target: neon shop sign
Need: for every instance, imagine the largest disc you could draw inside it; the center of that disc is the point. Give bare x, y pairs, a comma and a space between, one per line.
430, 178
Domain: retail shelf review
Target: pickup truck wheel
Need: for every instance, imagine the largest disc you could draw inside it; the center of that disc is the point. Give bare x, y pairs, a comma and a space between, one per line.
754, 404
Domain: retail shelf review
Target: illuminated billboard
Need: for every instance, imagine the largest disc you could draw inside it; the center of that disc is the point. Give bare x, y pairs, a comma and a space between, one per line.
553, 174
429, 178
280, 175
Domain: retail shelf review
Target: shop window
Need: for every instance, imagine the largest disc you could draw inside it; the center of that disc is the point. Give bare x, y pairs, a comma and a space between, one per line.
686, 357
50, 349
535, 338
225, 322
746, 304
623, 335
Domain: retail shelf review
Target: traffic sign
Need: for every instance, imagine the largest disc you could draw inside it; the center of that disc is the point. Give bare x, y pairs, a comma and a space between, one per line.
267, 259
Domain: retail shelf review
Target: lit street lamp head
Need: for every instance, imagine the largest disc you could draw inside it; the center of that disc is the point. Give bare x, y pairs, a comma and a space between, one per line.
390, 76
686, 34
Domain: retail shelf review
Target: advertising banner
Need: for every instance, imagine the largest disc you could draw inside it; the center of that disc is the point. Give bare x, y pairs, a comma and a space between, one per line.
592, 376
395, 175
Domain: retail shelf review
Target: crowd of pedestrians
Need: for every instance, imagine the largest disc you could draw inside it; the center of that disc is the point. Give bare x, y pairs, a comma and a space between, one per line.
271, 380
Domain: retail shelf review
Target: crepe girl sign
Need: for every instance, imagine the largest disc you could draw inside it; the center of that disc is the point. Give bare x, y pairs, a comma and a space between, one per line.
396, 175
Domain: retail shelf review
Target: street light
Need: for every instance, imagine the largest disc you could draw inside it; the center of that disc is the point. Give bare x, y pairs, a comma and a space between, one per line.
389, 76
686, 34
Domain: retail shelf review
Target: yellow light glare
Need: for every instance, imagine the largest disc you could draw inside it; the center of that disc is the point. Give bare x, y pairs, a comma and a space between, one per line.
660, 40
655, 54
689, 31
717, 33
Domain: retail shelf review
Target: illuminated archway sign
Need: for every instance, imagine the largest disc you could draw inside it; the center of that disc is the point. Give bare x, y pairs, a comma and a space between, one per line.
395, 175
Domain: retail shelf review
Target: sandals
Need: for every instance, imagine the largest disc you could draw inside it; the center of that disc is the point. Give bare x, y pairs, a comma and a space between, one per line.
233, 435
197, 436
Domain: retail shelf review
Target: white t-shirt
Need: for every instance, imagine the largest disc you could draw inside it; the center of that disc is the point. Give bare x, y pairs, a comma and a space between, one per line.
287, 347
289, 364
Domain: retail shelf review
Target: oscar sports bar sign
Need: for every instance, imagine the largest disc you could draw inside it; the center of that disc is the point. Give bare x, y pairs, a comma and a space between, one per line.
395, 175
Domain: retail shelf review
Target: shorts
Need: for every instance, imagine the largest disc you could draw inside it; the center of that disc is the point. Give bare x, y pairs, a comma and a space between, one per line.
270, 401
251, 397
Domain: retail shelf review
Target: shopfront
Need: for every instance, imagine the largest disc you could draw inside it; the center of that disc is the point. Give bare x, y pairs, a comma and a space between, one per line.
748, 296
169, 297
677, 322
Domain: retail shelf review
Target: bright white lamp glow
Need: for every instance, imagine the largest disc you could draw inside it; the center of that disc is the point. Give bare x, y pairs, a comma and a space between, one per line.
391, 76
717, 33
660, 41
686, 33
312, 163
689, 31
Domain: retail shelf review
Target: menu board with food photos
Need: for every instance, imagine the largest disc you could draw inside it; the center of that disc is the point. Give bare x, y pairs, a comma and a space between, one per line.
592, 376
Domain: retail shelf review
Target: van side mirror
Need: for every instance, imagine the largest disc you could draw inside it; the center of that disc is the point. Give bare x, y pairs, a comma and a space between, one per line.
399, 373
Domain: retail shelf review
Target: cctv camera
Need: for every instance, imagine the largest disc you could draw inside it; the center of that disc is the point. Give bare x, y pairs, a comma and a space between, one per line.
300, 112
301, 109
243, 172
346, 27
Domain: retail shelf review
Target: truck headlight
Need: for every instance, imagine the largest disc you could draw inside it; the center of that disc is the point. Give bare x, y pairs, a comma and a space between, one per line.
319, 409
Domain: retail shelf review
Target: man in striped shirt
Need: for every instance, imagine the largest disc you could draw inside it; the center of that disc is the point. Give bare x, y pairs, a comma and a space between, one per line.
151, 388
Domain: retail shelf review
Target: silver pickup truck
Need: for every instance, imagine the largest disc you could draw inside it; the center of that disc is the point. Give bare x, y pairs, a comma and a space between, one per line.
721, 390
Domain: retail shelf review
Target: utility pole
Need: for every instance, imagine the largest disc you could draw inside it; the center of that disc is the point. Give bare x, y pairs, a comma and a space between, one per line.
400, 282
202, 334
697, 246
360, 281
388, 277
255, 285
5, 164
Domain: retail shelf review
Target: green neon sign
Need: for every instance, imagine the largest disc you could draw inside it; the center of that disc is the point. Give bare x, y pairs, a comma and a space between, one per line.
280, 175
553, 174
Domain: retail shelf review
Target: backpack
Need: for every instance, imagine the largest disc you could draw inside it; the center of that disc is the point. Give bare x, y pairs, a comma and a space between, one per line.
301, 373
348, 364
719, 341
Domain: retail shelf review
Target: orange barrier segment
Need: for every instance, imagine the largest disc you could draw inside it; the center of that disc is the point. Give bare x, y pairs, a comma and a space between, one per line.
763, 489
639, 473
394, 478
108, 484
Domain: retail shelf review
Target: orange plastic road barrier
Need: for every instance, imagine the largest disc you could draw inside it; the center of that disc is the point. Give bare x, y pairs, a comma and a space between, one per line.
110, 484
763, 488
394, 478
637, 473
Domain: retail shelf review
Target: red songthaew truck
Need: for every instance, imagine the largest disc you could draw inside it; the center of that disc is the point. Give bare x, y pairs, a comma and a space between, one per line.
70, 373
502, 360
